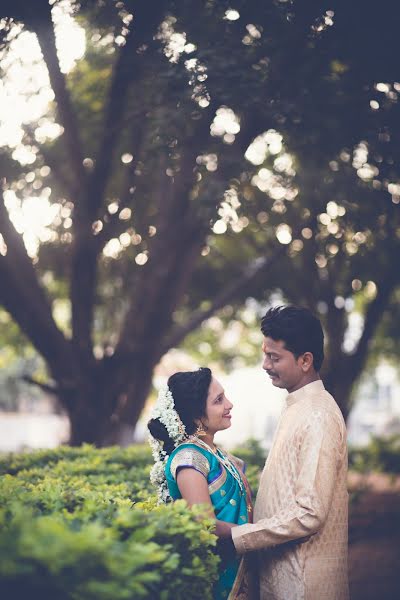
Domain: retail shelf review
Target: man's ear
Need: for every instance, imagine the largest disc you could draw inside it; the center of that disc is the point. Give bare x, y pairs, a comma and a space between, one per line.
306, 361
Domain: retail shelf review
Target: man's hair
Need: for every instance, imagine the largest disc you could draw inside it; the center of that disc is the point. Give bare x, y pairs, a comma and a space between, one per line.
298, 328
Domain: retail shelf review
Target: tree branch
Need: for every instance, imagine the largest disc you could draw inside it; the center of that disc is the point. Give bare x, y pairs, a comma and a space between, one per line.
141, 31
112, 224
45, 387
86, 247
249, 274
24, 298
172, 254
372, 319
42, 25
69, 187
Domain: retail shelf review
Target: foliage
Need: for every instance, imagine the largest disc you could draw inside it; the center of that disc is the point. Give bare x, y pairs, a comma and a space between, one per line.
381, 454
254, 456
198, 154
252, 453
17, 359
218, 339
83, 524
387, 341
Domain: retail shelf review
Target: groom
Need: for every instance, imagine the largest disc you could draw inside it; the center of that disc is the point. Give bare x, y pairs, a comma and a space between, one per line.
300, 527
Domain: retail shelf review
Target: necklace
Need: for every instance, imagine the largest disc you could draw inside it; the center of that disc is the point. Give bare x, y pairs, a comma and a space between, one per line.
224, 460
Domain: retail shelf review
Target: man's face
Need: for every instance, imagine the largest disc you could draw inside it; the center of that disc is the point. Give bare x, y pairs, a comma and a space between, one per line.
281, 365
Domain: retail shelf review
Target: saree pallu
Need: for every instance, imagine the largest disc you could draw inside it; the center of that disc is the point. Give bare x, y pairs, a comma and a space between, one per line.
230, 502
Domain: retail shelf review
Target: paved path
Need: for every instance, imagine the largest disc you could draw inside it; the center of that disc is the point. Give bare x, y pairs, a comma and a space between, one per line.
374, 551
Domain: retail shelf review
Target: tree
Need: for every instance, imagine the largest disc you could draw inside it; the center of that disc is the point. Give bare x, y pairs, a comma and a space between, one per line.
155, 159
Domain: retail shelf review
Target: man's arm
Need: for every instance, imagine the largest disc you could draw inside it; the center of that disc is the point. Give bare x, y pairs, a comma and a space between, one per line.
318, 461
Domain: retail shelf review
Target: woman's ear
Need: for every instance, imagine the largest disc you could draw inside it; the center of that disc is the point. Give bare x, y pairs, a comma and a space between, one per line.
201, 429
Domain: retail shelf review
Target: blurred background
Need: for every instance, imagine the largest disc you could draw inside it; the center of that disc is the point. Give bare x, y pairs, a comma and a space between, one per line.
170, 171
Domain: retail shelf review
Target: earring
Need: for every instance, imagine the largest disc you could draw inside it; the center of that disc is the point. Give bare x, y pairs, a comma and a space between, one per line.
200, 431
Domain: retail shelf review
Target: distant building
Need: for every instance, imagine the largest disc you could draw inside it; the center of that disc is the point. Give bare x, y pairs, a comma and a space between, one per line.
376, 409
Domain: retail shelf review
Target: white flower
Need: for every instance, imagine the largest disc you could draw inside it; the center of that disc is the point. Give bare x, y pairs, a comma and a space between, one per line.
164, 411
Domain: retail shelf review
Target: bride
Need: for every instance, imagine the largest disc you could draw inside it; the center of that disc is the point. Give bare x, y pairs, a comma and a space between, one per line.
189, 465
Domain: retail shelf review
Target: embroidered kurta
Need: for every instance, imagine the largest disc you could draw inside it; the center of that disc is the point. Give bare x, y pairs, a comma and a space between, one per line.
301, 510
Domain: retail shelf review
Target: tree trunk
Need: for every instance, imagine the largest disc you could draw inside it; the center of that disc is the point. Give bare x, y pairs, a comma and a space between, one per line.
341, 385
106, 406
83, 423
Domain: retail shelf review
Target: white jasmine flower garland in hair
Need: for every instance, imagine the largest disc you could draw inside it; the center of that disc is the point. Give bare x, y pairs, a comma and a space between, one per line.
164, 411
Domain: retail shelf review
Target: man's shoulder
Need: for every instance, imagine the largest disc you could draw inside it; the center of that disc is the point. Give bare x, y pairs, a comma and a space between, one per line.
324, 407
322, 397
321, 416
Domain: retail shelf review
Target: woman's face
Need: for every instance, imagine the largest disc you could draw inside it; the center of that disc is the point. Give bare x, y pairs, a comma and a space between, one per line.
218, 408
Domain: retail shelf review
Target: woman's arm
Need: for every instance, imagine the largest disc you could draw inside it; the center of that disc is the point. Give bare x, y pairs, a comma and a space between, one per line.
194, 489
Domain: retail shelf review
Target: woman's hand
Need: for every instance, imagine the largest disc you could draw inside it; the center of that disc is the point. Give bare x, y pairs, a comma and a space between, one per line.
223, 529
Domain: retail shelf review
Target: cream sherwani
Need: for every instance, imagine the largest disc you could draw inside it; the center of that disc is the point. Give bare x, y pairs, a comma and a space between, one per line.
300, 515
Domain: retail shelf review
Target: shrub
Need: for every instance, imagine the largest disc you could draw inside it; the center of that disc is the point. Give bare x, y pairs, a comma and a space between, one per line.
254, 455
82, 524
382, 454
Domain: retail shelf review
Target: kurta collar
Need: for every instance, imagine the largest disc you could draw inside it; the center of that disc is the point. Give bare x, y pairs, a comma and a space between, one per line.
305, 391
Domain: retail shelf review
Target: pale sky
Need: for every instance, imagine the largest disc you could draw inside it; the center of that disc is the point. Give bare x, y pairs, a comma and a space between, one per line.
25, 95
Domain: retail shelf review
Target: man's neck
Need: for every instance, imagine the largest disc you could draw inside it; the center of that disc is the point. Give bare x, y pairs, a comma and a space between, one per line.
309, 378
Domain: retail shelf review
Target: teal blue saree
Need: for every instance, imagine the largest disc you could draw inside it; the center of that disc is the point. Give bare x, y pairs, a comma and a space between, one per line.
229, 499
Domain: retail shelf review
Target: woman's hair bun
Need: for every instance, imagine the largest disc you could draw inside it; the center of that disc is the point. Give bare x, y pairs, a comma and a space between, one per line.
159, 431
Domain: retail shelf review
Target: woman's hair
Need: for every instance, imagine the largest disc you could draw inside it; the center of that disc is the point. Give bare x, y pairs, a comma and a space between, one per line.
189, 390
298, 328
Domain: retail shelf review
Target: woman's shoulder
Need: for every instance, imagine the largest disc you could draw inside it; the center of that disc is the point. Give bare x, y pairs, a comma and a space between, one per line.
238, 462
192, 446
189, 454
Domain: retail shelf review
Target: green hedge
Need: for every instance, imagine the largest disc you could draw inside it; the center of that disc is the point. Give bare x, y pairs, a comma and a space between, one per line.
381, 454
68, 478
83, 524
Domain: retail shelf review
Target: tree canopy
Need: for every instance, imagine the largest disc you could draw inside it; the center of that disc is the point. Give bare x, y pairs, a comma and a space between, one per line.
197, 154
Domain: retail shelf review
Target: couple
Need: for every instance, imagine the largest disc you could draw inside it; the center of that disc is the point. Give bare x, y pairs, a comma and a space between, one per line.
298, 537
